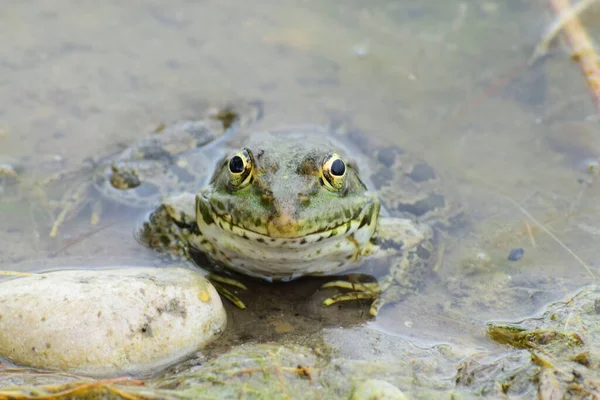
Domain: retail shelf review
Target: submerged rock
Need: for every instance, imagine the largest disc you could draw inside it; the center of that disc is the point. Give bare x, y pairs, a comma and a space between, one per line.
248, 371
108, 322
554, 356
376, 389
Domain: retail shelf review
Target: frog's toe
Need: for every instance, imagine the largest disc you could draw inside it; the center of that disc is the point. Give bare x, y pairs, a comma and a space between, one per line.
347, 297
218, 281
357, 287
229, 295
227, 281
378, 302
358, 291
376, 306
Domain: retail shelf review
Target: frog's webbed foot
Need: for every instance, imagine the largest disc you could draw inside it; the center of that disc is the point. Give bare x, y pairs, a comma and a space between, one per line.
379, 292
406, 249
219, 280
169, 227
357, 291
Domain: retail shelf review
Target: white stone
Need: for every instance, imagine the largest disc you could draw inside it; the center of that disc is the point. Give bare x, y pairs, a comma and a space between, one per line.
108, 322
375, 389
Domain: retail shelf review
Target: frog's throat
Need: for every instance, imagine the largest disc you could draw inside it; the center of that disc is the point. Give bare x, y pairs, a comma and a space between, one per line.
363, 223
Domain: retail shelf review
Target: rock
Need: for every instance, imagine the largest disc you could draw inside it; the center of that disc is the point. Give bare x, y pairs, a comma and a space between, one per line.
375, 389
554, 355
108, 322
265, 371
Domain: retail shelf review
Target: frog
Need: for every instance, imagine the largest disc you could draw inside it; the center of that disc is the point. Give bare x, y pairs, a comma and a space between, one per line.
309, 200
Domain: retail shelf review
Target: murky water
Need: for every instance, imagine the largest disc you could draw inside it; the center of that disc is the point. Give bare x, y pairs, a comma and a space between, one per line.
447, 80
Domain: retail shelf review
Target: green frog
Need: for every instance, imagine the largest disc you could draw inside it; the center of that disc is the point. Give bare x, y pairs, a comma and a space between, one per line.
308, 201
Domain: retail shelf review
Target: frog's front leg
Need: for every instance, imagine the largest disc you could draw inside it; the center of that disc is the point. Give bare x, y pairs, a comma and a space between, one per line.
403, 245
171, 228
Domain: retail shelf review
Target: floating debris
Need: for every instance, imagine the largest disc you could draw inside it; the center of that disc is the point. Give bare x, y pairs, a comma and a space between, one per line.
361, 50
516, 254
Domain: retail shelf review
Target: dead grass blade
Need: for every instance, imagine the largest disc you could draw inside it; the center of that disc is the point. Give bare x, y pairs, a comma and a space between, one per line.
553, 236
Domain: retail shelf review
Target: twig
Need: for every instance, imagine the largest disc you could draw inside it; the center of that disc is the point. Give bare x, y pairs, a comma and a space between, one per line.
542, 47
581, 44
530, 233
553, 236
82, 238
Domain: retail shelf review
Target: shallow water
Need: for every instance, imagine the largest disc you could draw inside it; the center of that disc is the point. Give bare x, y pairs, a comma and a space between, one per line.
448, 81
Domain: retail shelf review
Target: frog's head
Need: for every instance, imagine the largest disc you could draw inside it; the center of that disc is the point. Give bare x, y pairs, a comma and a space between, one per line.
287, 186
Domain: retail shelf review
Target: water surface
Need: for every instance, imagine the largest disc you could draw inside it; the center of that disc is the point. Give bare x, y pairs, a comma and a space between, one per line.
448, 81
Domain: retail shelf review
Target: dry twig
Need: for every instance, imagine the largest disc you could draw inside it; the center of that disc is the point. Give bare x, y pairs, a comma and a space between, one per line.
579, 41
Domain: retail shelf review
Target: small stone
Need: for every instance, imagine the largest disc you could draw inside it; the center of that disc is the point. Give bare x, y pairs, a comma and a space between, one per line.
108, 322
375, 389
516, 254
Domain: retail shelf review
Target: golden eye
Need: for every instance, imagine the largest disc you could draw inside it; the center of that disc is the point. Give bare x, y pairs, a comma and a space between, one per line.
240, 169
333, 172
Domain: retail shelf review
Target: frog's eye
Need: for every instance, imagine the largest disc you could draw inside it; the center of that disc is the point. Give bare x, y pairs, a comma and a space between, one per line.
240, 169
333, 172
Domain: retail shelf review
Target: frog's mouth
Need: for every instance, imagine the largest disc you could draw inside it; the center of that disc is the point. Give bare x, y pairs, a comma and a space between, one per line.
282, 230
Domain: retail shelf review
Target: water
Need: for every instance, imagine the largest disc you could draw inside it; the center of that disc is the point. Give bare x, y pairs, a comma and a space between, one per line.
448, 81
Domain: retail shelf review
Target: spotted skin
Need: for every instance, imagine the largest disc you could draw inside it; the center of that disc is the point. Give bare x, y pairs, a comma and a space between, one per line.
283, 221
